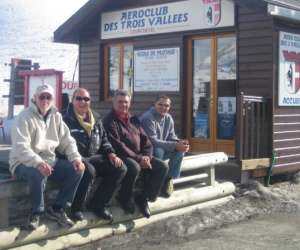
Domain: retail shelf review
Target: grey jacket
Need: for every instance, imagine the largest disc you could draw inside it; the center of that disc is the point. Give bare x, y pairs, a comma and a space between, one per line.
160, 129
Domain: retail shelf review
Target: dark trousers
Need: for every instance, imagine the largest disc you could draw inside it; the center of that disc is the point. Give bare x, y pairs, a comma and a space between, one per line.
112, 176
152, 179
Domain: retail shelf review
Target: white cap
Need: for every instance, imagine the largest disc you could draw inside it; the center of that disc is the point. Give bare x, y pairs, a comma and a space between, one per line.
45, 88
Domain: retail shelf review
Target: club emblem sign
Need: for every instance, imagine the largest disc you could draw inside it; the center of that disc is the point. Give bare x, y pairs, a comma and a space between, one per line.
213, 11
289, 69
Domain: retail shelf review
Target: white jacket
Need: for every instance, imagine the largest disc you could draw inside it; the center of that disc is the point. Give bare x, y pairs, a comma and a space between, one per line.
34, 140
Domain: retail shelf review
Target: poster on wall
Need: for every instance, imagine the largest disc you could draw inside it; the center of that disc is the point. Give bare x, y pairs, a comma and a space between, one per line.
156, 70
289, 69
168, 17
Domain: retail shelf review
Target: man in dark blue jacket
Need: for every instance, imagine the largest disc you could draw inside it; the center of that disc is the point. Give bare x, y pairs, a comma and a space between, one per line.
98, 154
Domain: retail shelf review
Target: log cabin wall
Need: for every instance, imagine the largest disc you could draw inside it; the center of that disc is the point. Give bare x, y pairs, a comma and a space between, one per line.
286, 120
255, 52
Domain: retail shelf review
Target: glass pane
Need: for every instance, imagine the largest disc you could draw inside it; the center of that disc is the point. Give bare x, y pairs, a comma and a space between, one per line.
128, 68
114, 66
201, 88
226, 69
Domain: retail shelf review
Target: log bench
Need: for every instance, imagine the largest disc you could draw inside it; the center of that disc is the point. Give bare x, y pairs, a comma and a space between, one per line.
201, 166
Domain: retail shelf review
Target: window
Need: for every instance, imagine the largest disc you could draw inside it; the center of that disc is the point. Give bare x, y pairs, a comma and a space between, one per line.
118, 60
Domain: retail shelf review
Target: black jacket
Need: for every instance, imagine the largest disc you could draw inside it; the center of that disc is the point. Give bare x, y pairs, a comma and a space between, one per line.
87, 145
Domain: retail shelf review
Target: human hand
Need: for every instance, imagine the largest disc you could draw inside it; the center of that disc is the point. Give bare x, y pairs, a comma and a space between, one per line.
78, 166
182, 146
45, 169
115, 160
145, 162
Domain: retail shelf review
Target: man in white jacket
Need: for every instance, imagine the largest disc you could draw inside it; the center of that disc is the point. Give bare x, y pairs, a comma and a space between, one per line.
37, 132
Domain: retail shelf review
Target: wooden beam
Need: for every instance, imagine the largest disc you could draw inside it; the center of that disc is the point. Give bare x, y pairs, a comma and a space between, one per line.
253, 164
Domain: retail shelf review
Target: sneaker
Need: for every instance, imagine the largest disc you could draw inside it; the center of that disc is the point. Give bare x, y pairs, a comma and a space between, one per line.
60, 216
77, 215
167, 188
103, 213
33, 221
143, 206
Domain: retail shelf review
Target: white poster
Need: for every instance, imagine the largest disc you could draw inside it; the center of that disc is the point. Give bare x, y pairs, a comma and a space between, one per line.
289, 69
169, 17
156, 69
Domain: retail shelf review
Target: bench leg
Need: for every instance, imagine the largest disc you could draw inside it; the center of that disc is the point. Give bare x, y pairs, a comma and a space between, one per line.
211, 175
4, 214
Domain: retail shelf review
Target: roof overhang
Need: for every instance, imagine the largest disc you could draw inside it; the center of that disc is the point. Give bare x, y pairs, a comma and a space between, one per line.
284, 12
69, 32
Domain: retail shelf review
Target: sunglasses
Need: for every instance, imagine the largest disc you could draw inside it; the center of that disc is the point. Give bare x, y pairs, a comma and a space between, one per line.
80, 98
45, 97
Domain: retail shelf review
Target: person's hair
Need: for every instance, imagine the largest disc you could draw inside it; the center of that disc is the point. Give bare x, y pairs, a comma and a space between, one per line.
165, 97
77, 90
121, 92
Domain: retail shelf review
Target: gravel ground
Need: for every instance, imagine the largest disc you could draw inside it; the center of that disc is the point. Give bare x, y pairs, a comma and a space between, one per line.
251, 203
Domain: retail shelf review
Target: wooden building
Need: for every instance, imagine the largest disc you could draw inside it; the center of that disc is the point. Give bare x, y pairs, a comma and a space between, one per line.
231, 68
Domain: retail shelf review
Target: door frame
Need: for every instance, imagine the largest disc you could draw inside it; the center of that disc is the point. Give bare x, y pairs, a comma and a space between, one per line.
212, 144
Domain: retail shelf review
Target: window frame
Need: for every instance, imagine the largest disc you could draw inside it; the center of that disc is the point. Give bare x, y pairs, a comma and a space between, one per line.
106, 58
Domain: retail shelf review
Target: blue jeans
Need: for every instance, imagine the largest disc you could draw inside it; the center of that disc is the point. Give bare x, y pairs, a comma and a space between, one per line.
63, 172
175, 160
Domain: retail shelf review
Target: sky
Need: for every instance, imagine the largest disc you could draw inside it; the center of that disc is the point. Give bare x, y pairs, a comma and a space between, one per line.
26, 31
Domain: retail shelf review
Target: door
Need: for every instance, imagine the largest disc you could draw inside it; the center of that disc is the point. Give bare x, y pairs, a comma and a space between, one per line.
211, 101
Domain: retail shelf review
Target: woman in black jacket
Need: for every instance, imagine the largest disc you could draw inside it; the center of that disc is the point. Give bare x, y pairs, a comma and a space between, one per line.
98, 155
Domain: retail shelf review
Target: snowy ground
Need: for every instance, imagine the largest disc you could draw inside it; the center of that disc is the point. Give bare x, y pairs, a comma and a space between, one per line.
258, 218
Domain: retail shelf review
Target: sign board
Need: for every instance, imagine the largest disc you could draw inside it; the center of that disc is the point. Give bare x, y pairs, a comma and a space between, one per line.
168, 17
289, 69
156, 70
68, 87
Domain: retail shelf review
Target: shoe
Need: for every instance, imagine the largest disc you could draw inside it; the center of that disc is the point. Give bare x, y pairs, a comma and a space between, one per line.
77, 215
143, 206
60, 216
128, 206
167, 188
33, 221
103, 213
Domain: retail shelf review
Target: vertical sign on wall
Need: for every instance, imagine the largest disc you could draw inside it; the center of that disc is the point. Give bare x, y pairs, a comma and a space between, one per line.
289, 69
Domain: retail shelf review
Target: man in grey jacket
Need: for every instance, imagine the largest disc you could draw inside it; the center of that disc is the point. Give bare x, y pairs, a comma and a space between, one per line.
159, 126
37, 132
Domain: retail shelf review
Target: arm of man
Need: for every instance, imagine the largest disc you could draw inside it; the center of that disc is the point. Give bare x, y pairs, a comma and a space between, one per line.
21, 143
171, 128
146, 145
105, 146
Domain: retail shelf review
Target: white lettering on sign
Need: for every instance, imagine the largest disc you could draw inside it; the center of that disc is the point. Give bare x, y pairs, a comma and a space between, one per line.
69, 87
170, 17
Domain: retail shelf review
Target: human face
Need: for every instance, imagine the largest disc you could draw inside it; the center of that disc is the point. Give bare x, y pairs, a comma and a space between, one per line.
43, 102
162, 106
82, 102
121, 104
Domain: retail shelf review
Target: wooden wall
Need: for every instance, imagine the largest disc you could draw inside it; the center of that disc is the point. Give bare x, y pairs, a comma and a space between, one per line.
255, 52
286, 120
